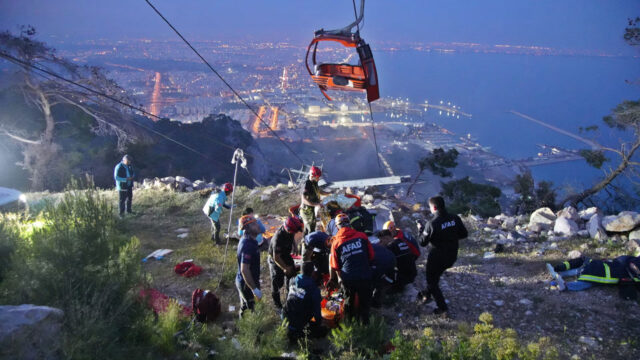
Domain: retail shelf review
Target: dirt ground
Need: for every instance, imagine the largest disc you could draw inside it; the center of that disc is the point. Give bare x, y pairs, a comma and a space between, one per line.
513, 287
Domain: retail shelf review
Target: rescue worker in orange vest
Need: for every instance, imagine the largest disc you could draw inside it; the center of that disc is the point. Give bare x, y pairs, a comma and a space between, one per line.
350, 263
310, 199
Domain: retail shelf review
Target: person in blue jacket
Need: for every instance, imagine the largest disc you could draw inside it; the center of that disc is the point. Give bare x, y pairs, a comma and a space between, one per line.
123, 174
590, 272
213, 209
384, 272
303, 304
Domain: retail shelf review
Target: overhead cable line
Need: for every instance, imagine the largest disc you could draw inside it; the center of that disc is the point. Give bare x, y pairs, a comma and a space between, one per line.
95, 92
133, 107
225, 82
375, 140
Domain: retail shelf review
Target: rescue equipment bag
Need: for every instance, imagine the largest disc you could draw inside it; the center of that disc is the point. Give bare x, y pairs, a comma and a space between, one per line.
205, 304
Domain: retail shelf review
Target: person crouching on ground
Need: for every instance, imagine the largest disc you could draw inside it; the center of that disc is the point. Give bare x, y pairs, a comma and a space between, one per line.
123, 174
443, 232
280, 261
213, 209
248, 256
303, 303
350, 262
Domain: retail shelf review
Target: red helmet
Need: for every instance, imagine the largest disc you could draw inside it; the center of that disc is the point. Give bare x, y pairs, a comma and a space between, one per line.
315, 171
293, 225
227, 187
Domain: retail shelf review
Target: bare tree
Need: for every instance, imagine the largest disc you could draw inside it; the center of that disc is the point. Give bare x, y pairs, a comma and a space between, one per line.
44, 92
625, 117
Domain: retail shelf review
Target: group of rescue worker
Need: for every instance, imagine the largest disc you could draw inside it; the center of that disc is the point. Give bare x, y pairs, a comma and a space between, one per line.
338, 258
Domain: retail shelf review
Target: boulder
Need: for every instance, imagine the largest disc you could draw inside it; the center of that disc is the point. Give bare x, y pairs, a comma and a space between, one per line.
565, 226
509, 223
633, 245
586, 214
493, 222
595, 230
569, 213
536, 228
168, 180
543, 217
367, 198
583, 233
188, 189
199, 185
625, 221
635, 234
183, 180
574, 254
30, 332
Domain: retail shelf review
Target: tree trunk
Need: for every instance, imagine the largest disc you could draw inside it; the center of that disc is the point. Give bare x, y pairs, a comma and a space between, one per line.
39, 158
574, 200
414, 182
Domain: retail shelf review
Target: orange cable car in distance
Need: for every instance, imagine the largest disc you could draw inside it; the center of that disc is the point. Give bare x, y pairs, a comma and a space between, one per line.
347, 77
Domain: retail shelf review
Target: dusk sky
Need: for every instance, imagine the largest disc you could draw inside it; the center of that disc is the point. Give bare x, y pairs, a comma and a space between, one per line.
575, 24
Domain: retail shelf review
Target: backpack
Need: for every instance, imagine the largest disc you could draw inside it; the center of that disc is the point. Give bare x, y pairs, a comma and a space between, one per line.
206, 305
361, 219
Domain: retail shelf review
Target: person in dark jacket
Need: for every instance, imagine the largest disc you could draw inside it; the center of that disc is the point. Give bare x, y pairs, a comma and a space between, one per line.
443, 233
594, 271
350, 262
248, 256
123, 174
404, 256
316, 250
384, 272
303, 304
281, 264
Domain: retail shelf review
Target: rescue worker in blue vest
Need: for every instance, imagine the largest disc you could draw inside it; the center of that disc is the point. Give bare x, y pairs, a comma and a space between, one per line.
310, 199
123, 174
384, 271
213, 209
281, 265
593, 271
316, 250
443, 232
248, 256
350, 262
303, 304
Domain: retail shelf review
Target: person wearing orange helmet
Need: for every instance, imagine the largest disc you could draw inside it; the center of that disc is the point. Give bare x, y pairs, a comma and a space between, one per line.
213, 209
310, 199
281, 265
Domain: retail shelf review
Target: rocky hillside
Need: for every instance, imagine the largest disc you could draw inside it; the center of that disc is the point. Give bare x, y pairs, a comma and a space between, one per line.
500, 268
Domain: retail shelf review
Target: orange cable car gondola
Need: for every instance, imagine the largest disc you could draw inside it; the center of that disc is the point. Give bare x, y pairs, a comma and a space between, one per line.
347, 77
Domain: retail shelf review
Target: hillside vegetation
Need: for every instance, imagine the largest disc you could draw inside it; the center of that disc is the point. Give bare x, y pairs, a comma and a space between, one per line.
72, 252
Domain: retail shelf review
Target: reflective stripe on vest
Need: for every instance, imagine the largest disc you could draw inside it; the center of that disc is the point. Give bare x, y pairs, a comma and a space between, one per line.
566, 265
599, 279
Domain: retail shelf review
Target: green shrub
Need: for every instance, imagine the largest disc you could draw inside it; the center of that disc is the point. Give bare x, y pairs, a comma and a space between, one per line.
73, 258
360, 340
261, 334
484, 342
8, 241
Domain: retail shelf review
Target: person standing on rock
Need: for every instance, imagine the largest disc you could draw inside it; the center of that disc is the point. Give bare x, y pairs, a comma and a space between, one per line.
248, 255
443, 232
310, 199
213, 209
123, 174
280, 261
